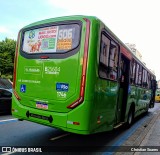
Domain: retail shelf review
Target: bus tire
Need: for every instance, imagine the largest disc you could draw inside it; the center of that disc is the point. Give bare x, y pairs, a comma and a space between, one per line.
147, 108
130, 118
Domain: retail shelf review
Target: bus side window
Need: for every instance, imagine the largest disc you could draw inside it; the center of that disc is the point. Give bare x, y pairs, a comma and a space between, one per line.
104, 52
133, 72
122, 69
108, 65
145, 82
140, 76
149, 80
113, 61
137, 72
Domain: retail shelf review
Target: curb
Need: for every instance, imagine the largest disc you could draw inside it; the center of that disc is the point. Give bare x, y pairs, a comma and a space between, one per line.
138, 137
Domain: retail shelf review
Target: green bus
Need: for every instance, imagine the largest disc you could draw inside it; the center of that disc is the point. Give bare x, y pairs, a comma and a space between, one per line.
74, 74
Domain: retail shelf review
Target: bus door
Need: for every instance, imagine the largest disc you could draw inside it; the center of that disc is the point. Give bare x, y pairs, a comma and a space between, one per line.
123, 90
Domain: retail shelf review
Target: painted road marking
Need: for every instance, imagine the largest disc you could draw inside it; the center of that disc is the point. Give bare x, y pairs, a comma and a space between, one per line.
58, 137
8, 153
8, 120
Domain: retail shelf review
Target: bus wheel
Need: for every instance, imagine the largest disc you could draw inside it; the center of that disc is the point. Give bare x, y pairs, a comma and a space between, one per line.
130, 118
147, 108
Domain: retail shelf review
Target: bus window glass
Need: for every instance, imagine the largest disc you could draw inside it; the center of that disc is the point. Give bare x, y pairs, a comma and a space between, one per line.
133, 71
51, 39
140, 76
108, 59
149, 80
137, 71
105, 46
144, 78
113, 62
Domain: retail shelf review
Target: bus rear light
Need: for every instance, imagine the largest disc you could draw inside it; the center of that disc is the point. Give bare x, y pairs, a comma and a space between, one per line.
73, 123
44, 57
15, 61
73, 105
82, 85
76, 123
84, 67
82, 90
16, 95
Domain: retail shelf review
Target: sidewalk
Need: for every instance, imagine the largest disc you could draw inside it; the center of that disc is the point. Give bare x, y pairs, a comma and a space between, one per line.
152, 138
146, 137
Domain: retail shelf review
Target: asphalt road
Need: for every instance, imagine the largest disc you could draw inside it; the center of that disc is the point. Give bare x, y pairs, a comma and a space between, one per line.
14, 133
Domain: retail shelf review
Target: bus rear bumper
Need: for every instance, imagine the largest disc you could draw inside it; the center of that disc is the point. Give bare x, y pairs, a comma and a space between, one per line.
52, 119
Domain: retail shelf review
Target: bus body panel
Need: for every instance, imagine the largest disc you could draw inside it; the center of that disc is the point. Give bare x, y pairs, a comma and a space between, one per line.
106, 100
140, 97
65, 121
42, 87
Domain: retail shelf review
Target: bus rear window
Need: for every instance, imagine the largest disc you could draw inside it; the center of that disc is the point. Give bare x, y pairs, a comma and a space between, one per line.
51, 39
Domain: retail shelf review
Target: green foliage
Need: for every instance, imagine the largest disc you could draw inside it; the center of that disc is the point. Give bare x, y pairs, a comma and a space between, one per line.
7, 51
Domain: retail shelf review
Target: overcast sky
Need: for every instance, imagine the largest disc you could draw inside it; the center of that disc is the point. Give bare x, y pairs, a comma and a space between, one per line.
133, 21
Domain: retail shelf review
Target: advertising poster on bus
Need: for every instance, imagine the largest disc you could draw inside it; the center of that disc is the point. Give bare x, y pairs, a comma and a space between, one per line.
40, 40
51, 39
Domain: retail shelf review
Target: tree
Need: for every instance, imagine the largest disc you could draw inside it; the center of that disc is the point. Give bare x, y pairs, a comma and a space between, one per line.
7, 52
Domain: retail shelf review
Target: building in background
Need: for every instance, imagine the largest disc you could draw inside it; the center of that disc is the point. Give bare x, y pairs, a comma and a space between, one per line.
134, 50
137, 53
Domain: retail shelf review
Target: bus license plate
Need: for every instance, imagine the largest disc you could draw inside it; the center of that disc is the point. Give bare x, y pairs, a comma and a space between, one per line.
41, 105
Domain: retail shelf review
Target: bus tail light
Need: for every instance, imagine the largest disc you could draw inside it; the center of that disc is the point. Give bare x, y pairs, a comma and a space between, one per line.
84, 68
15, 61
73, 123
73, 105
44, 57
76, 123
16, 95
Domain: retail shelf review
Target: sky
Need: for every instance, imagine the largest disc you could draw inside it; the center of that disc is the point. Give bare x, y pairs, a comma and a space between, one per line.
133, 21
